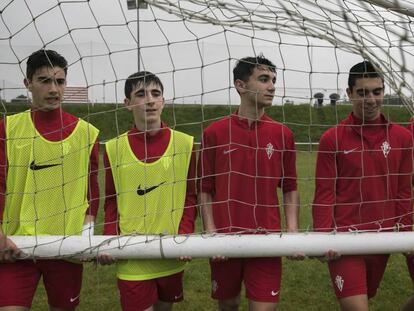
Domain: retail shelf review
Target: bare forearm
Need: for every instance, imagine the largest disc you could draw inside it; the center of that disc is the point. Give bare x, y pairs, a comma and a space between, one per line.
205, 200
291, 208
89, 219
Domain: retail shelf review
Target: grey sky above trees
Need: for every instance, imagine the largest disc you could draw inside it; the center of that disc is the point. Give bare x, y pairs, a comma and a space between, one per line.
99, 39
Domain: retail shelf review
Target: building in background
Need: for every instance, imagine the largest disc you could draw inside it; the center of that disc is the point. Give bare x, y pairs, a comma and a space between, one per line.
76, 95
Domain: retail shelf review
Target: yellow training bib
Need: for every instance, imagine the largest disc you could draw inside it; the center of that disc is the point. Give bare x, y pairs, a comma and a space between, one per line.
150, 198
47, 182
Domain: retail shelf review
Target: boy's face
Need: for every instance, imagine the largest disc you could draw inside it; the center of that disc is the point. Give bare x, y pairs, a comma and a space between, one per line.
260, 88
366, 97
146, 103
47, 86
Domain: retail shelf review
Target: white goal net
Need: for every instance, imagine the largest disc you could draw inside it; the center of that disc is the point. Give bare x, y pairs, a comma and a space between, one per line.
193, 45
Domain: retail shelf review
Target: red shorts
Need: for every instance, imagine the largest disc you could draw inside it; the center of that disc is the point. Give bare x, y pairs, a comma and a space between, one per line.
357, 275
261, 277
140, 295
62, 281
410, 265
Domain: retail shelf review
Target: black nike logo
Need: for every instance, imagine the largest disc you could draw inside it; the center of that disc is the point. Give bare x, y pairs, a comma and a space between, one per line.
146, 190
36, 167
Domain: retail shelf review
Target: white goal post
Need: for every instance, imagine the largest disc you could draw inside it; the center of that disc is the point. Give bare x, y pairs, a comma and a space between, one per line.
202, 246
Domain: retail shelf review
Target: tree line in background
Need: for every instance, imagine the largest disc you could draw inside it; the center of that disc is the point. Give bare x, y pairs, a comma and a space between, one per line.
335, 98
319, 100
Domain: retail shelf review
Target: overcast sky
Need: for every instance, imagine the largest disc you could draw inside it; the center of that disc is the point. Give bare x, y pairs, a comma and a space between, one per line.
193, 57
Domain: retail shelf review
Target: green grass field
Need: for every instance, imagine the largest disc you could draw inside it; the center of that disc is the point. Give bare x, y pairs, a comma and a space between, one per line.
305, 284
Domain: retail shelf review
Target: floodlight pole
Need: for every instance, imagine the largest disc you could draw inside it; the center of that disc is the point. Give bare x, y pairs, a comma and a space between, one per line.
137, 5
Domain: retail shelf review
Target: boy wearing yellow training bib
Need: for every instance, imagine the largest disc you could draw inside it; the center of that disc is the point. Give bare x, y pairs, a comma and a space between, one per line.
48, 186
150, 190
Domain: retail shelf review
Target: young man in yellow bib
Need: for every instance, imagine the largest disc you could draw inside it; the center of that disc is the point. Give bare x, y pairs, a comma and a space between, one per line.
48, 186
150, 189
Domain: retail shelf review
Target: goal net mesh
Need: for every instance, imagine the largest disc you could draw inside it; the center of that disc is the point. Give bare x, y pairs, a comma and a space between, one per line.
193, 45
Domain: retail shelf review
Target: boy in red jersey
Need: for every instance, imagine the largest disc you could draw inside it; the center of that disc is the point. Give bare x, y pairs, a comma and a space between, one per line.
150, 189
409, 305
363, 182
48, 186
244, 159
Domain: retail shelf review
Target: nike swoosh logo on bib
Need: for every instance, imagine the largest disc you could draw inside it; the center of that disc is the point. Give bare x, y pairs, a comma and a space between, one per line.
36, 167
144, 191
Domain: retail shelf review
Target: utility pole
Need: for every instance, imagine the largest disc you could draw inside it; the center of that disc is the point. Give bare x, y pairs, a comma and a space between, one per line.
91, 66
137, 5
103, 92
4, 91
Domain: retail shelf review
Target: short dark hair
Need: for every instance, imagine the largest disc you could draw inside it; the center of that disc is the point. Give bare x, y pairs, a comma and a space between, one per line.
141, 77
44, 58
245, 66
362, 70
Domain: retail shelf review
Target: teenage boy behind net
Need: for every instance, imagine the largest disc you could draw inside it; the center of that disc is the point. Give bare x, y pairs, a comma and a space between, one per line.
48, 186
150, 189
244, 159
363, 182
409, 305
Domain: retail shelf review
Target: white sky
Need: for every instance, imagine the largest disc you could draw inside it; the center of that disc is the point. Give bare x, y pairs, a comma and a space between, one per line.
194, 57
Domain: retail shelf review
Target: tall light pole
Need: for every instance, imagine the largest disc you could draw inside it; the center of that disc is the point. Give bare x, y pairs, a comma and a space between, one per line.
103, 91
137, 5
4, 91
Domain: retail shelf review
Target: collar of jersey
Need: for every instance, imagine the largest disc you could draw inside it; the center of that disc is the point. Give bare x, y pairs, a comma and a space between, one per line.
242, 121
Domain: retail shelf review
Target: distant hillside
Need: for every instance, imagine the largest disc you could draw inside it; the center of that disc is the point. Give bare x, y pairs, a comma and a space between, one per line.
308, 123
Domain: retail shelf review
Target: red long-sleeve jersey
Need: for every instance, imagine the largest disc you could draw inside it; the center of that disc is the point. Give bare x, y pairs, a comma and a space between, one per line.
54, 125
410, 126
149, 148
363, 177
242, 166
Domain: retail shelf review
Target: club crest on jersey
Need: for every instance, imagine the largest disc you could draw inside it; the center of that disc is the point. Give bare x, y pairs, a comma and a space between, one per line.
339, 281
386, 148
269, 150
